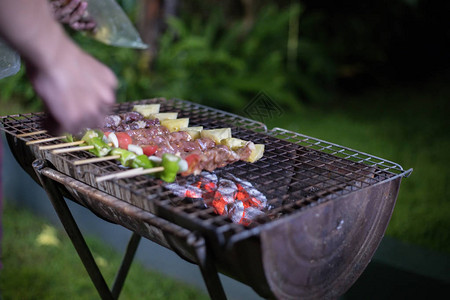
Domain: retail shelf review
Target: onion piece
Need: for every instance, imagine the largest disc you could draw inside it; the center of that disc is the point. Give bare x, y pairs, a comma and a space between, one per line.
155, 159
113, 139
183, 166
136, 149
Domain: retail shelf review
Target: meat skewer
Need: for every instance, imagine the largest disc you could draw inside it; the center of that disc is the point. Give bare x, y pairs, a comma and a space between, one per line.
195, 150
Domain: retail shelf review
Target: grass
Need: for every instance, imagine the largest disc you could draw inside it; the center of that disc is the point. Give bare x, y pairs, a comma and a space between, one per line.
39, 262
405, 124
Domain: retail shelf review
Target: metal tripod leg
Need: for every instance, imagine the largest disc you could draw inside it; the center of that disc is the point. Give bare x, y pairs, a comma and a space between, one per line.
75, 235
126, 263
207, 268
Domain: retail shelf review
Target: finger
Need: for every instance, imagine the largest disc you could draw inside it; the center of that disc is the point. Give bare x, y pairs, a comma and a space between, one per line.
82, 26
79, 26
70, 7
78, 12
111, 79
76, 26
108, 96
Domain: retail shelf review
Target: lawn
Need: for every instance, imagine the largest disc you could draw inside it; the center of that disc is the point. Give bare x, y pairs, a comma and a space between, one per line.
406, 124
40, 262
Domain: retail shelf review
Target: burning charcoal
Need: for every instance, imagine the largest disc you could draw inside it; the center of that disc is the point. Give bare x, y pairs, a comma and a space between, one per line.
253, 192
235, 198
209, 176
227, 189
236, 211
251, 214
220, 204
185, 191
258, 195
190, 194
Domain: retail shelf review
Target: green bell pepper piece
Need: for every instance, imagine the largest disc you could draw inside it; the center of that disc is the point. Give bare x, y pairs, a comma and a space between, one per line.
100, 133
89, 135
100, 147
68, 138
126, 157
142, 161
170, 164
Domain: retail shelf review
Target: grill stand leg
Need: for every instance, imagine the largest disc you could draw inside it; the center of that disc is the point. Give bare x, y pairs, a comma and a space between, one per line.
207, 268
75, 235
126, 263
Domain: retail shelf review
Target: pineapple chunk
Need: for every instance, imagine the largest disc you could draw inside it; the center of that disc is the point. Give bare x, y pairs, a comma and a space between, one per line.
147, 109
194, 132
164, 116
216, 135
233, 143
175, 125
257, 153
196, 128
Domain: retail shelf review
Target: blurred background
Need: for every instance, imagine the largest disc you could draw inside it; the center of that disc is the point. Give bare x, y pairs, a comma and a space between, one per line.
369, 75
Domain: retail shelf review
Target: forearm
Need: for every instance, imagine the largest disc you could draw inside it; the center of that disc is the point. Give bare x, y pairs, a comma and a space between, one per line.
77, 89
29, 27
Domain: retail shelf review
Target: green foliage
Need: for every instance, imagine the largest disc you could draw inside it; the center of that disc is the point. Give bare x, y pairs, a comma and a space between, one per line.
224, 66
18, 89
213, 62
40, 262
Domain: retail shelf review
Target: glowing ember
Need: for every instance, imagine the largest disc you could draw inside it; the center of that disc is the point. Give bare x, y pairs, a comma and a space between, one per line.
235, 198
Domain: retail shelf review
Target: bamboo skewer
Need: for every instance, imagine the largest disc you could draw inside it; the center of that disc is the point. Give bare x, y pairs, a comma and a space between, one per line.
95, 159
30, 133
62, 145
45, 140
129, 173
117, 175
73, 149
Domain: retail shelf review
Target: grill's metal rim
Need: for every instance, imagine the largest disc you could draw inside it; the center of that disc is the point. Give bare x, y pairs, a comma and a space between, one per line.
403, 172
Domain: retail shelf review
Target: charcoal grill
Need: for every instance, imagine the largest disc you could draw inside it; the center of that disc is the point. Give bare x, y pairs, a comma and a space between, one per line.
329, 207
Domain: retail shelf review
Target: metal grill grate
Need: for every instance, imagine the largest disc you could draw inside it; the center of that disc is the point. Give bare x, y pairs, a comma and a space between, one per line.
295, 172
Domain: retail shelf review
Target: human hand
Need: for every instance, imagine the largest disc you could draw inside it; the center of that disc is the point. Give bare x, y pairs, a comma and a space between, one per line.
73, 13
77, 90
